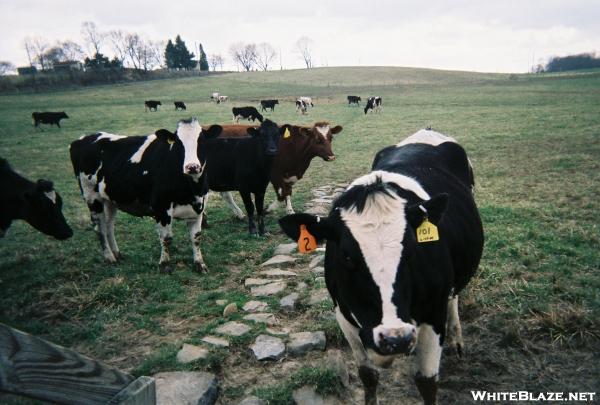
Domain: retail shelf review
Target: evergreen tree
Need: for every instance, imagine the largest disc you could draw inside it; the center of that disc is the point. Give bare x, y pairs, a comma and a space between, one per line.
170, 55
203, 60
184, 58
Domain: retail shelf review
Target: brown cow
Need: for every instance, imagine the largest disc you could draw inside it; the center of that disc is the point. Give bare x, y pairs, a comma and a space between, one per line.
296, 150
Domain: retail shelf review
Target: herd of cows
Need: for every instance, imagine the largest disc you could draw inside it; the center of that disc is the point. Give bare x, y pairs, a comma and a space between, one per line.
402, 240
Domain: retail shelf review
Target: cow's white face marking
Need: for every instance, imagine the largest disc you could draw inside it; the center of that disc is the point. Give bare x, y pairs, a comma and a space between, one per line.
137, 156
110, 137
189, 134
428, 137
51, 196
379, 231
324, 130
145, 172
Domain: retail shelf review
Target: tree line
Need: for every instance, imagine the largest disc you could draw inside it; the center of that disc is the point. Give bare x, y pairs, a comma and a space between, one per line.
567, 63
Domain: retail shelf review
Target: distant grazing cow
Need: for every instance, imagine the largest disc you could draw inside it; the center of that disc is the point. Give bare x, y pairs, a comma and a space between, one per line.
374, 104
354, 100
151, 105
248, 113
244, 164
180, 105
264, 104
48, 118
393, 277
222, 99
307, 100
160, 175
302, 106
36, 203
296, 150
214, 97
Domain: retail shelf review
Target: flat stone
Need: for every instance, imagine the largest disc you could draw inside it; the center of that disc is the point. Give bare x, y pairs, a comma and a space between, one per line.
318, 270
334, 359
301, 286
286, 249
186, 388
307, 396
318, 296
230, 309
252, 400
221, 302
322, 200
315, 261
277, 273
278, 332
267, 347
302, 342
318, 210
233, 329
249, 282
216, 341
269, 319
189, 353
268, 289
288, 303
279, 260
255, 306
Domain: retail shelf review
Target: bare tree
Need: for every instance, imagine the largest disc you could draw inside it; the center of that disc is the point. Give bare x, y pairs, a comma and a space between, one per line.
265, 55
142, 53
303, 47
71, 50
6, 67
216, 61
92, 36
243, 54
36, 48
156, 52
118, 40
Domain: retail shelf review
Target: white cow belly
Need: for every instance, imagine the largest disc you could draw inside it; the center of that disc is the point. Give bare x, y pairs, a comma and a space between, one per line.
184, 212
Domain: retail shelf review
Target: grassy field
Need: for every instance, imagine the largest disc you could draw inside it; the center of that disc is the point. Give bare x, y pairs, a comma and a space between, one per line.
531, 316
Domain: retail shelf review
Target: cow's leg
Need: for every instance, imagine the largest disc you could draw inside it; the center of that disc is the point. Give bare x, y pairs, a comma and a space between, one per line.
288, 205
453, 328
195, 228
100, 225
273, 206
259, 199
247, 198
367, 373
228, 197
58, 124
429, 352
165, 234
110, 211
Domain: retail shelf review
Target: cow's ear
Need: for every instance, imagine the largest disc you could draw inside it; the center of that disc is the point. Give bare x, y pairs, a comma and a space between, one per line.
336, 129
433, 209
253, 131
212, 132
319, 227
165, 135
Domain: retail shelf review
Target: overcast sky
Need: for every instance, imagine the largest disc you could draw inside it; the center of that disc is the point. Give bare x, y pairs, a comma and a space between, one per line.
475, 35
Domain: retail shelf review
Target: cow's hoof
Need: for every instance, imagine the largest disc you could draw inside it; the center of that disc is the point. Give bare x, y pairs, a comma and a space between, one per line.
165, 268
118, 256
264, 234
454, 349
110, 258
200, 268
290, 212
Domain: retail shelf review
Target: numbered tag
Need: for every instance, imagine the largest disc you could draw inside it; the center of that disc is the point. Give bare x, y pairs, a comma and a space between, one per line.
427, 232
306, 242
286, 134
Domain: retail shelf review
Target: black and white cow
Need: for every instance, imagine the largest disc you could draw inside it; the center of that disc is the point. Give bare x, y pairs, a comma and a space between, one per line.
302, 106
36, 203
395, 295
354, 100
244, 164
180, 105
248, 113
222, 99
307, 100
264, 104
160, 175
374, 104
151, 105
52, 118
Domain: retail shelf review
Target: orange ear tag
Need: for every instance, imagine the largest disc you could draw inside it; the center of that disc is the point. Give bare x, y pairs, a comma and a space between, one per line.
306, 242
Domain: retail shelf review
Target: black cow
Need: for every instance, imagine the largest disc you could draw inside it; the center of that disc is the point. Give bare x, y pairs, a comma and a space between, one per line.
151, 105
249, 113
36, 203
354, 100
48, 118
394, 285
374, 104
264, 104
180, 105
244, 164
160, 175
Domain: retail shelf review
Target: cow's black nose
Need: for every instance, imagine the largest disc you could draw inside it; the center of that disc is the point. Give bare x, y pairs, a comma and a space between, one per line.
396, 344
192, 168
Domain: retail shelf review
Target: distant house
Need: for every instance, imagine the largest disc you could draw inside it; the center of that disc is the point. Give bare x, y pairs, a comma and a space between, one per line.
26, 70
68, 66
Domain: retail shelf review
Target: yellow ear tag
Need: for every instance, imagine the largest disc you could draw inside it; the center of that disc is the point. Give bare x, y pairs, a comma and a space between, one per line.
306, 242
427, 232
286, 135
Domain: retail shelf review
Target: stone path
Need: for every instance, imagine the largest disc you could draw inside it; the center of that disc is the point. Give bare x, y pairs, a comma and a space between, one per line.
278, 277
